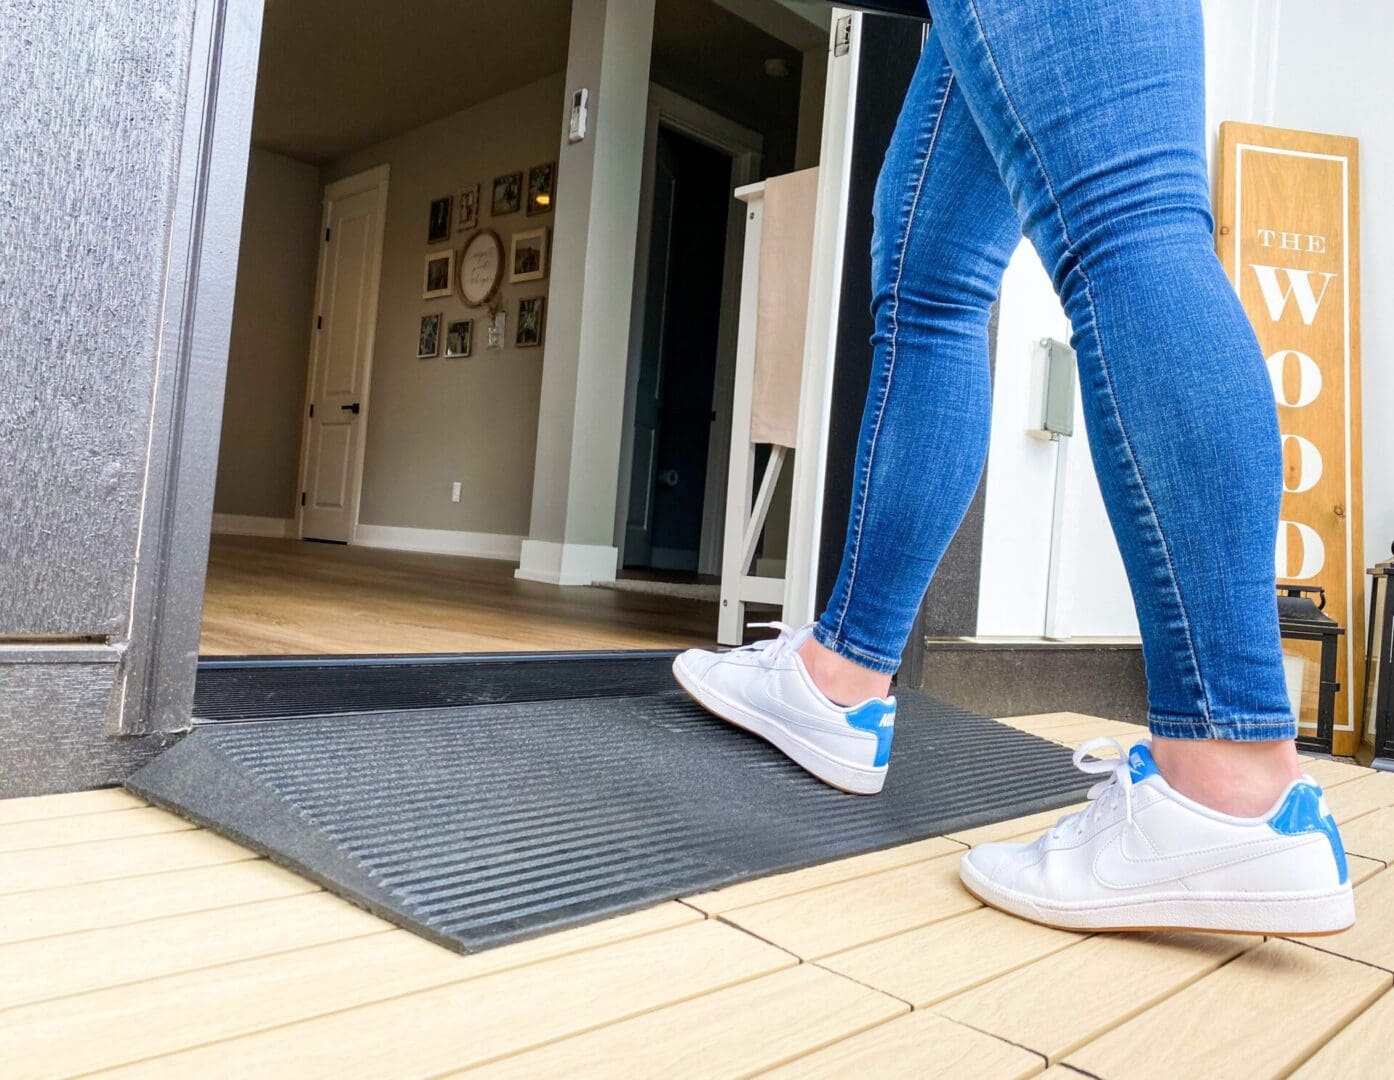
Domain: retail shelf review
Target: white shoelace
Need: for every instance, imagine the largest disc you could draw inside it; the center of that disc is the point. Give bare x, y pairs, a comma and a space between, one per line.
1118, 783
774, 646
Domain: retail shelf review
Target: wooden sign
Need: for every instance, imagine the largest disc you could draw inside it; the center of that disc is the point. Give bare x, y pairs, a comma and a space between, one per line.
1287, 233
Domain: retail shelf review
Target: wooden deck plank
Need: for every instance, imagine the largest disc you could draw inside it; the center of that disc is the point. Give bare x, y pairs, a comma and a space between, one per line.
1371, 939
1015, 828
1331, 774
108, 860
920, 1046
85, 828
866, 909
28, 915
929, 964
1371, 835
1362, 868
114, 1027
39, 807
814, 877
740, 1031
32, 971
1359, 1050
1210, 1026
1062, 1001
1371, 792
1035, 723
479, 1020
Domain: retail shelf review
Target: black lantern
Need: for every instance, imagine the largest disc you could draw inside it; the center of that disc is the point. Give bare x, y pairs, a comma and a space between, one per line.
1300, 618
1378, 712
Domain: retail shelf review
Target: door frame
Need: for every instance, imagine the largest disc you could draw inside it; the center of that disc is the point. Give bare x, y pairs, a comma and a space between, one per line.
746, 149
377, 177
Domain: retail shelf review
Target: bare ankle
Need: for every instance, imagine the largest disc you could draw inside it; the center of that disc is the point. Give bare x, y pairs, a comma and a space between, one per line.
1239, 778
842, 681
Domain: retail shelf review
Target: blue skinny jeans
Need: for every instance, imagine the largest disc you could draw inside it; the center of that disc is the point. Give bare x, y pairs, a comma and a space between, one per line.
1082, 126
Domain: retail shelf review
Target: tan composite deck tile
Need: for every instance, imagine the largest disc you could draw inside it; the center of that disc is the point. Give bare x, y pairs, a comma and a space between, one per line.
1361, 868
814, 877
1371, 939
1360, 1050
1074, 733
1331, 774
739, 1031
1371, 792
1371, 835
837, 917
921, 1046
105, 1029
1015, 828
38, 807
929, 964
468, 1023
51, 967
107, 860
1210, 1025
65, 910
1061, 1002
85, 828
1036, 722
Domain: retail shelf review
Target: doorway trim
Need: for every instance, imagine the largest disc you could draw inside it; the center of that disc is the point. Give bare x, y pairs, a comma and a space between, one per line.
746, 149
377, 177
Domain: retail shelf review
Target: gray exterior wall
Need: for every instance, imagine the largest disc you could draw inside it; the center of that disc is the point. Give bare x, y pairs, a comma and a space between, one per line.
95, 171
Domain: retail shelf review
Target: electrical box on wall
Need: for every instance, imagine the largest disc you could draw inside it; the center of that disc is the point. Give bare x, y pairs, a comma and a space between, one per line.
1057, 391
580, 105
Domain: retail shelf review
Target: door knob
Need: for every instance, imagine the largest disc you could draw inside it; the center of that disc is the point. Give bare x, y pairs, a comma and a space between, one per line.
351, 408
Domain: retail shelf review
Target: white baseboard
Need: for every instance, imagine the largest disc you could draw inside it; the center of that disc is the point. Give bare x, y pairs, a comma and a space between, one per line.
251, 525
440, 541
566, 564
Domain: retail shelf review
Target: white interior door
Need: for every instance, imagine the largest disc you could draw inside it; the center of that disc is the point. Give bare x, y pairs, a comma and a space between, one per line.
341, 355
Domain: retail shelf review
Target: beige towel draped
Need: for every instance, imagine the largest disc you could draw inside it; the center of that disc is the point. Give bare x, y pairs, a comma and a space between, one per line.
786, 260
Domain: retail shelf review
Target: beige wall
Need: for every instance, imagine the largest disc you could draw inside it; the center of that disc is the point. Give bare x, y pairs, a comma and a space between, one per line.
260, 450
474, 420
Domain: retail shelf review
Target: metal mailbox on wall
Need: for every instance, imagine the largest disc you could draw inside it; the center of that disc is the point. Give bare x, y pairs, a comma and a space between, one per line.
1287, 233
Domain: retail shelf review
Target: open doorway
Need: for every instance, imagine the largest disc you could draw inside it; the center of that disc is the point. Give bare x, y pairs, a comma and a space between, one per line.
378, 456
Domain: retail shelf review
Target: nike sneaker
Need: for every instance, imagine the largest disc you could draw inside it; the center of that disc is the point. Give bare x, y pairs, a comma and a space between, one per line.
1142, 856
765, 689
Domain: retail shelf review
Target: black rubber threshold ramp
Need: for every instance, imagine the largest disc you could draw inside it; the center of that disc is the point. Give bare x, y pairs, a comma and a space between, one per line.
478, 825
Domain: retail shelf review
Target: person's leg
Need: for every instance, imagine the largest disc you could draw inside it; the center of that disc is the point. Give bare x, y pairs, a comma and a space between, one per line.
1094, 114
944, 229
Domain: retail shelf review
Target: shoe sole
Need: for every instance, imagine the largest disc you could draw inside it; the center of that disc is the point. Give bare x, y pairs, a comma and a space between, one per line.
1276, 916
852, 779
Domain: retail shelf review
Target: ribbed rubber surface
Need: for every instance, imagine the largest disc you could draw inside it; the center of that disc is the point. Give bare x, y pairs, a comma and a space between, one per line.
243, 688
481, 825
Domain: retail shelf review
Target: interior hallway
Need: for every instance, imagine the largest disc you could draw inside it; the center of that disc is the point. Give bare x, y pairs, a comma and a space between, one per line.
268, 596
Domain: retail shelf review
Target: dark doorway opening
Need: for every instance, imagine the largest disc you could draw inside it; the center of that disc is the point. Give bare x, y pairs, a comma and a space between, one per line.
677, 369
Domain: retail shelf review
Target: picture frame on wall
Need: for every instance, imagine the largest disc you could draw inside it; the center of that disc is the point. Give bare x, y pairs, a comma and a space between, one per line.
508, 194
468, 216
438, 278
428, 339
531, 315
542, 184
527, 255
458, 337
438, 226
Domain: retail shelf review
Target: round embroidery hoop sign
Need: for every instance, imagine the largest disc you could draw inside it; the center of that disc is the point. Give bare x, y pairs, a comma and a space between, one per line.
480, 270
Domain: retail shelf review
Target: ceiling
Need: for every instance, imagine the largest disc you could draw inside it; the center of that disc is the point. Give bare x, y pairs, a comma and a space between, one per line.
336, 75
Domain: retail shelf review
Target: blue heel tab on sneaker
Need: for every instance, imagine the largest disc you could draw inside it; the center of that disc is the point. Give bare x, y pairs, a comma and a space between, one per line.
1302, 812
877, 717
1140, 763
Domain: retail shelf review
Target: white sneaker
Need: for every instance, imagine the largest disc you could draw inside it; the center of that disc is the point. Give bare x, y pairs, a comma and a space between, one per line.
765, 689
1142, 856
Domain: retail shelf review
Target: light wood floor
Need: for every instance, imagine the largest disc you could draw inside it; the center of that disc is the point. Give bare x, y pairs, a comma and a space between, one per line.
288, 596
133, 944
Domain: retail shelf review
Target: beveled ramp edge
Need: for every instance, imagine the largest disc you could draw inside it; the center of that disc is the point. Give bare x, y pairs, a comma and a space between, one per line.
342, 814
196, 781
